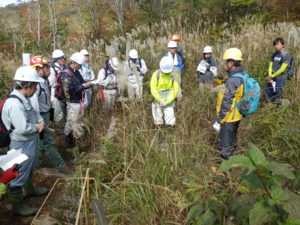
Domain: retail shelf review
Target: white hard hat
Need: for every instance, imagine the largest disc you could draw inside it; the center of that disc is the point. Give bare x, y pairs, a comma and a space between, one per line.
78, 58
114, 62
133, 54
57, 54
27, 73
207, 49
84, 52
172, 44
166, 64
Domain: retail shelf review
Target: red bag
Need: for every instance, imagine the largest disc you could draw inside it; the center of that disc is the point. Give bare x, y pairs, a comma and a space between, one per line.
101, 94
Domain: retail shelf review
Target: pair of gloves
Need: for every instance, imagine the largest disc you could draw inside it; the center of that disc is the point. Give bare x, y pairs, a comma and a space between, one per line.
9, 174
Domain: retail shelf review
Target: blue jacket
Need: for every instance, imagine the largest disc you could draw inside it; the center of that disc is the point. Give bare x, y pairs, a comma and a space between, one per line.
179, 61
73, 85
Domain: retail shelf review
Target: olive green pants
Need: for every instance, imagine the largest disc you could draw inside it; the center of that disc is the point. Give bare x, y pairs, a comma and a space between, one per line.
47, 145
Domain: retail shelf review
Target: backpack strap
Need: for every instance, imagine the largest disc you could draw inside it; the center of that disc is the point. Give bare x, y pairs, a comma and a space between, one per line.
105, 73
53, 67
16, 97
41, 89
158, 76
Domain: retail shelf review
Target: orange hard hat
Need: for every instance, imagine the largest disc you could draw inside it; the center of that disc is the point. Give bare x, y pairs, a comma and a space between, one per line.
39, 61
175, 37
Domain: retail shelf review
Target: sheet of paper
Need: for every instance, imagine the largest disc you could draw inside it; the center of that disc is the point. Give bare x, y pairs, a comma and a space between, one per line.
12, 157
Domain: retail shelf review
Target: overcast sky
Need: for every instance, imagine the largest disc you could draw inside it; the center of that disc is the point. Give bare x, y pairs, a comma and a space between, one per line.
6, 2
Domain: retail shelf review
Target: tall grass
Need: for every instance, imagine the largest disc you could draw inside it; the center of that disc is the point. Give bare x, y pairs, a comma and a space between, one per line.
143, 183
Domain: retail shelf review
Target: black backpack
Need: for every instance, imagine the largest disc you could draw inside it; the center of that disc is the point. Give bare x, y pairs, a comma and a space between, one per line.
291, 69
139, 61
4, 133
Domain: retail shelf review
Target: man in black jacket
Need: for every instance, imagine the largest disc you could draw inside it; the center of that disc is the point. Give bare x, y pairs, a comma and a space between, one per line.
74, 85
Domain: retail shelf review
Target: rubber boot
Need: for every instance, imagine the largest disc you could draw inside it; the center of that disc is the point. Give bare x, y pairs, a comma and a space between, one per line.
19, 207
171, 130
160, 134
70, 142
30, 191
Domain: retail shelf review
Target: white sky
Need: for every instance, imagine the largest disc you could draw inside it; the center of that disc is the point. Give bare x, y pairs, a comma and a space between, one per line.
6, 2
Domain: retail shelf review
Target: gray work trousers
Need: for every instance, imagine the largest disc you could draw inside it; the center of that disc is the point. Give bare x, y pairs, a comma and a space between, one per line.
29, 148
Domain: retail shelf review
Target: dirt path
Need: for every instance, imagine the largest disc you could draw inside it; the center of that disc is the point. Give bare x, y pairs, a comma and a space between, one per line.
62, 204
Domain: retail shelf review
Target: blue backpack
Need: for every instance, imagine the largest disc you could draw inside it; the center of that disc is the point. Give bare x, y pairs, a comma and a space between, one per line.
251, 96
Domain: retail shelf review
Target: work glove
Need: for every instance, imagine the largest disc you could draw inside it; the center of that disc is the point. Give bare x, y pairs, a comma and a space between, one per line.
214, 71
9, 174
163, 103
217, 127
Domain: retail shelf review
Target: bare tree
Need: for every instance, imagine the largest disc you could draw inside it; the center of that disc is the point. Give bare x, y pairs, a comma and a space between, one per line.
95, 15
118, 7
53, 21
34, 19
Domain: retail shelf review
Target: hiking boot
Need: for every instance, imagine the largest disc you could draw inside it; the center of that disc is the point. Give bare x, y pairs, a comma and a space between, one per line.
70, 142
30, 191
19, 207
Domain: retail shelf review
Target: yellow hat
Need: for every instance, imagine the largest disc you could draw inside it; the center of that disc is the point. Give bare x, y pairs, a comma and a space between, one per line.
175, 37
233, 53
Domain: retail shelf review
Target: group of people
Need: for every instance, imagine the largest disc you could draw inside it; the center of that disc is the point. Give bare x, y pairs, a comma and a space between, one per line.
49, 90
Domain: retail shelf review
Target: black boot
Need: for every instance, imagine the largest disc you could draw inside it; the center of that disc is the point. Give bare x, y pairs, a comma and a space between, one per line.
70, 141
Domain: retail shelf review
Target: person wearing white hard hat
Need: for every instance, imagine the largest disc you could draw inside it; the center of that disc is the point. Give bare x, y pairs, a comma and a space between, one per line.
177, 61
207, 69
164, 89
73, 86
26, 123
88, 75
177, 64
58, 64
136, 69
107, 79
